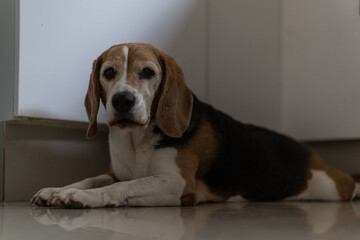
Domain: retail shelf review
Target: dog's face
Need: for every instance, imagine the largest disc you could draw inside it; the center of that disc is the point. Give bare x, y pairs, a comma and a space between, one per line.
129, 83
138, 83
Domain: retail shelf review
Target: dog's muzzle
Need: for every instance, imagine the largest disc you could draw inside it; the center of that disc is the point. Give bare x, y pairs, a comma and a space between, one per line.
123, 102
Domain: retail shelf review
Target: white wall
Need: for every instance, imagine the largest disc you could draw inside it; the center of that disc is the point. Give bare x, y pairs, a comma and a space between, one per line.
7, 59
60, 39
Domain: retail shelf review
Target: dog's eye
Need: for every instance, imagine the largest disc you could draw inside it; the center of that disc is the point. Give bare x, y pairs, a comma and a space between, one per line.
146, 73
109, 73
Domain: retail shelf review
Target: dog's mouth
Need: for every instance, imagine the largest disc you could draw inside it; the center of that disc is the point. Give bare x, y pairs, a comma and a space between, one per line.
126, 123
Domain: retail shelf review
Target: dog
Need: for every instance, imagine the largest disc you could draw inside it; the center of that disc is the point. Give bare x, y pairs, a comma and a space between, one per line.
168, 148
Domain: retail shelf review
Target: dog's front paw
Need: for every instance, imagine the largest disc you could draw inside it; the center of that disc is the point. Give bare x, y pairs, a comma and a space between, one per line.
42, 196
70, 198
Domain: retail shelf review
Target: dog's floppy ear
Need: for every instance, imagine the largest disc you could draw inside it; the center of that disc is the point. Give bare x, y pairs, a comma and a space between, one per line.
92, 99
175, 104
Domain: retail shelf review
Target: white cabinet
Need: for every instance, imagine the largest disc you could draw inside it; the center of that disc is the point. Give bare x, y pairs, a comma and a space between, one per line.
56, 42
291, 65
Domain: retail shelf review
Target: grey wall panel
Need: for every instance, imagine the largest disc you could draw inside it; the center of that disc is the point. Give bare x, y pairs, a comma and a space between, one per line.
38, 156
244, 60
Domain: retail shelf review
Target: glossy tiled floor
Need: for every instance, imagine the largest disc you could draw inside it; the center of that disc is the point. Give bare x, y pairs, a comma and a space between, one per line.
280, 220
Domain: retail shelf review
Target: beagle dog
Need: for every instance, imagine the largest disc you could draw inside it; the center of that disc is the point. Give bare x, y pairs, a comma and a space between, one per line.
170, 149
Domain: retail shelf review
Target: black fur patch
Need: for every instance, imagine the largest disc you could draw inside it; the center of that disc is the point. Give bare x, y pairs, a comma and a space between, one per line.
258, 164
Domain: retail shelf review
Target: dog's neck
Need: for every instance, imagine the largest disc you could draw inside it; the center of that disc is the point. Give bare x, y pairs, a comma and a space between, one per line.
130, 149
136, 135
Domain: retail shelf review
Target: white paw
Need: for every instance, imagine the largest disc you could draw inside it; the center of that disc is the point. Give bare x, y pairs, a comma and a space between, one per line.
42, 196
70, 198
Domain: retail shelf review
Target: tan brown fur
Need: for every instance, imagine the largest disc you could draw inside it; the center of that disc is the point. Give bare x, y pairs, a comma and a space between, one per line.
115, 58
203, 193
194, 159
175, 104
138, 55
92, 99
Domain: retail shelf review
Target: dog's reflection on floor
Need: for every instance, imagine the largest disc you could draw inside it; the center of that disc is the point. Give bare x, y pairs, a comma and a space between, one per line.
211, 221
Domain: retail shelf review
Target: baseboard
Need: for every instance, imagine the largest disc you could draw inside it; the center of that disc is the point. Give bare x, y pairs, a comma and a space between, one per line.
39, 154
344, 155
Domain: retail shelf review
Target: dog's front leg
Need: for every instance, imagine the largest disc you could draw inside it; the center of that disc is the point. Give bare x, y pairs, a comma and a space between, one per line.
45, 195
162, 190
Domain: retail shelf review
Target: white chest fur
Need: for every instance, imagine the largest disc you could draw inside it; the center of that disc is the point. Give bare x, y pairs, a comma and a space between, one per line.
133, 154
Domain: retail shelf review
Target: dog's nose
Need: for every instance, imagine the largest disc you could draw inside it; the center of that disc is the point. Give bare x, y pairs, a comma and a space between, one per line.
123, 102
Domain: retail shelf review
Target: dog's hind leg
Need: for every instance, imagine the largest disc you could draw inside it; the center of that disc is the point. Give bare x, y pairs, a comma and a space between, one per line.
327, 183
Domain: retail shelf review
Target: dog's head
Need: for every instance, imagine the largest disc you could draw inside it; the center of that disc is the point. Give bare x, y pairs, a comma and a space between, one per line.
137, 83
